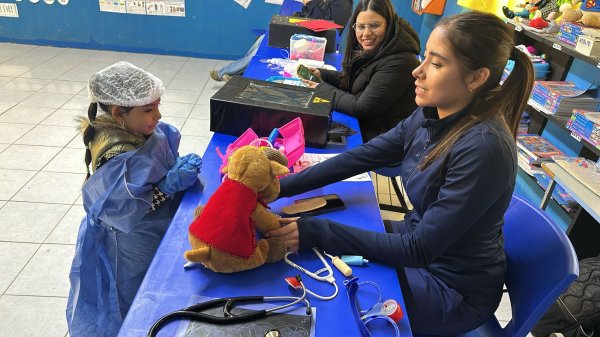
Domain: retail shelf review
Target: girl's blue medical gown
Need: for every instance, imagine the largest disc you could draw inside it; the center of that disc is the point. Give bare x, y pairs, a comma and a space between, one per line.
119, 235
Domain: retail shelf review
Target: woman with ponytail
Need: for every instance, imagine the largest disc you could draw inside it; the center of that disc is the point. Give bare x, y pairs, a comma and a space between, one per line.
459, 166
134, 174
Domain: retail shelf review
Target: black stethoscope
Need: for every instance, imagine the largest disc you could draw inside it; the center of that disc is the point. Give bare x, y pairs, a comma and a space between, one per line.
194, 312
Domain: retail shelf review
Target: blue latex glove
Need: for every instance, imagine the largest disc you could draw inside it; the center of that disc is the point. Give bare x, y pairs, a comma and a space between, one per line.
182, 175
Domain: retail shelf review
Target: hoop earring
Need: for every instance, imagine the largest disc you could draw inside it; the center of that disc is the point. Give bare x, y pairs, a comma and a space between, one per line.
122, 123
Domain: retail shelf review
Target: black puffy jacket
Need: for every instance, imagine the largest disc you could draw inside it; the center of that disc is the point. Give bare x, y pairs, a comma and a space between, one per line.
338, 11
381, 90
576, 313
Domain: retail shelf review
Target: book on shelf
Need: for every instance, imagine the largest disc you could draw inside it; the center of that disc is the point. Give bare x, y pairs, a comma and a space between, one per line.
559, 194
560, 98
524, 123
523, 162
537, 148
585, 125
558, 89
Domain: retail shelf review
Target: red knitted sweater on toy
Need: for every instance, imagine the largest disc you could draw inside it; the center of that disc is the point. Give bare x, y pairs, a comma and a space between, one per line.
225, 221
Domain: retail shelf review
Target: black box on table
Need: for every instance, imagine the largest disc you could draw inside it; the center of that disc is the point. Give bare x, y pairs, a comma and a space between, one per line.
282, 28
244, 103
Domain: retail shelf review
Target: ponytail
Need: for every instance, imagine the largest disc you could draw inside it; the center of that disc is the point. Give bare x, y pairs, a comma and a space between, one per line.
515, 90
482, 40
88, 136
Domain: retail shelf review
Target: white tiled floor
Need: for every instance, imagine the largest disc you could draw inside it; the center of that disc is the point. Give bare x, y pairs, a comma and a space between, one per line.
42, 89
41, 167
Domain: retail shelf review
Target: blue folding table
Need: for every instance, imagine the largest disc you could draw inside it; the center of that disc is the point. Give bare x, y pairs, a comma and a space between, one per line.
167, 286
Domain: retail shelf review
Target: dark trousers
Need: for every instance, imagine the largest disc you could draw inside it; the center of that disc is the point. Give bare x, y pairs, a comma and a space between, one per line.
432, 307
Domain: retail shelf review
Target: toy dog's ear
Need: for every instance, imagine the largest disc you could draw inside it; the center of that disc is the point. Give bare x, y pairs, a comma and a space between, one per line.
278, 169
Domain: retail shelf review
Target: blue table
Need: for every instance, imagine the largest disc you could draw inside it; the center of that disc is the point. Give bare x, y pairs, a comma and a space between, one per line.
167, 286
289, 7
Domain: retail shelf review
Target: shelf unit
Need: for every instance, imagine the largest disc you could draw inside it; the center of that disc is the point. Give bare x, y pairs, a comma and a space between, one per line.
583, 229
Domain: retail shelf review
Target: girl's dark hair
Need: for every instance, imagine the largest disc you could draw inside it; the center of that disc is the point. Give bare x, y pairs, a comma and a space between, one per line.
482, 40
90, 132
381, 7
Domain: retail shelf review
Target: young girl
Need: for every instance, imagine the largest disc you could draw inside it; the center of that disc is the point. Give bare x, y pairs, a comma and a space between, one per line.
459, 166
129, 198
375, 84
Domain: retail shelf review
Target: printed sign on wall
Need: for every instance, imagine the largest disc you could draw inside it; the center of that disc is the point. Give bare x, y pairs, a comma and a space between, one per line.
136, 7
9, 10
114, 6
165, 7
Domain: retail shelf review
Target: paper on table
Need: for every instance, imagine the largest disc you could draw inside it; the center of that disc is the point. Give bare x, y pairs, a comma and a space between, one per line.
310, 159
582, 170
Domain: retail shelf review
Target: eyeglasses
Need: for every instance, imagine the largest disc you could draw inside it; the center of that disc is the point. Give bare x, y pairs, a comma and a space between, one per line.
373, 26
375, 312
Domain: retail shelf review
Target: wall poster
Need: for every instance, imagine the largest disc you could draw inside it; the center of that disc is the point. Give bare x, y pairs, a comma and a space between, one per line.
115, 6
9, 10
165, 7
136, 6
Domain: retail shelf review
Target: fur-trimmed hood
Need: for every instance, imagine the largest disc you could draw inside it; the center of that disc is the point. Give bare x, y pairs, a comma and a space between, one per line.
110, 138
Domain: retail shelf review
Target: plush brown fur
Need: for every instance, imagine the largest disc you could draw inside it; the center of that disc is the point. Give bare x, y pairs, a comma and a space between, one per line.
252, 167
591, 19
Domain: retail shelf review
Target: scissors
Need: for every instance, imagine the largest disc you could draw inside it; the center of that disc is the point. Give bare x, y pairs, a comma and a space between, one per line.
194, 312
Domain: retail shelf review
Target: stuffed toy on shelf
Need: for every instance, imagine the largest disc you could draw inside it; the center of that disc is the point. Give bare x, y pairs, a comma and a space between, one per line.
591, 13
588, 12
548, 9
570, 11
223, 236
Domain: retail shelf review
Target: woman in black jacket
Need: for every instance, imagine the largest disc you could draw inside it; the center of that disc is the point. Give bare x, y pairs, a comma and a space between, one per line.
376, 84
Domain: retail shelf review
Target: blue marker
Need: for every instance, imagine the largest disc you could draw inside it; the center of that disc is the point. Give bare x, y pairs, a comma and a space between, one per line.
273, 136
354, 260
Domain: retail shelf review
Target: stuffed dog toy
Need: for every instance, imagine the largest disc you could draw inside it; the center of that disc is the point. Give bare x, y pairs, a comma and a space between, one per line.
223, 236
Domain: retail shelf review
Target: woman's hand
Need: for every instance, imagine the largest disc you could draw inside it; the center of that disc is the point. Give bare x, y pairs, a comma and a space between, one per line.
288, 233
309, 84
315, 71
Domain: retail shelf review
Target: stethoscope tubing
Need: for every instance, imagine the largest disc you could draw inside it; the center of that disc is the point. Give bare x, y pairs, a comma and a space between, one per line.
317, 275
193, 312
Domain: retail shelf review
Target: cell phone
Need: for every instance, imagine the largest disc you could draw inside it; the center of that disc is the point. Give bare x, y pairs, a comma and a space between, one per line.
305, 73
332, 203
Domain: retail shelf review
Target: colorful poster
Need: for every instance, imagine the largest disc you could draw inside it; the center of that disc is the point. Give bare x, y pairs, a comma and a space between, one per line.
115, 6
165, 7
136, 6
9, 10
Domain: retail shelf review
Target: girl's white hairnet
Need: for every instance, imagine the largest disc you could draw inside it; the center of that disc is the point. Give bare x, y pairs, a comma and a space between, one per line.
124, 84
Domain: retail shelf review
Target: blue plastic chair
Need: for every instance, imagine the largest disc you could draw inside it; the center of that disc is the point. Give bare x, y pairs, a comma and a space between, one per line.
541, 264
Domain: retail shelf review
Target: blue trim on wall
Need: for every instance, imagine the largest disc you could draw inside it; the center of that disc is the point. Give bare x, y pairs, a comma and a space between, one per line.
561, 138
211, 29
529, 189
429, 21
580, 73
